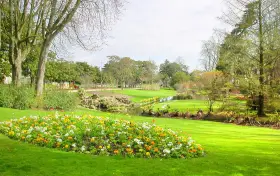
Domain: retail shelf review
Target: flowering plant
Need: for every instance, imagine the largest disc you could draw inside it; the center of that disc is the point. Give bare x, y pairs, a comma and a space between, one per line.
101, 136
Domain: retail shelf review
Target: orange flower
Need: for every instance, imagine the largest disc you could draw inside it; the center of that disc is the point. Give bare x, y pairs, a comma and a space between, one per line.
70, 138
129, 150
116, 152
162, 134
156, 150
152, 143
148, 148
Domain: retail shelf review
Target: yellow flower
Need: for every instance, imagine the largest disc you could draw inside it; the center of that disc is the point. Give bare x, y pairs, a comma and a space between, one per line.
66, 146
100, 147
92, 139
108, 147
58, 144
148, 154
11, 133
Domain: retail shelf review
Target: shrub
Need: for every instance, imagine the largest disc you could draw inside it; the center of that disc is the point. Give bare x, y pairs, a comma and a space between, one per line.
16, 97
124, 100
273, 105
24, 98
111, 104
182, 96
59, 100
7, 96
232, 106
101, 136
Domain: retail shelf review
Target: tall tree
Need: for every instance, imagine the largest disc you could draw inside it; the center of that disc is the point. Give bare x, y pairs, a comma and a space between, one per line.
75, 18
21, 23
255, 26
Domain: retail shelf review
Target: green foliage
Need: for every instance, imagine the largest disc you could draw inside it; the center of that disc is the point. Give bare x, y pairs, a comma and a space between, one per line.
29, 67
273, 105
169, 69
60, 100
5, 68
128, 72
178, 78
60, 70
183, 96
16, 97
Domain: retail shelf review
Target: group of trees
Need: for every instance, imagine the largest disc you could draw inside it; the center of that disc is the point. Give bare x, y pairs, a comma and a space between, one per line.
28, 26
172, 73
58, 70
249, 55
126, 72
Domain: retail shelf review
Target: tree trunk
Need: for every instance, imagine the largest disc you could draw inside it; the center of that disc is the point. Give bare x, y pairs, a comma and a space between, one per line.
42, 67
17, 67
261, 62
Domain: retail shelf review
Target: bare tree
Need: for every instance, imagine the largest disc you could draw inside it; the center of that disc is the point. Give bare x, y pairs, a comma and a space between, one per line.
21, 24
210, 51
83, 22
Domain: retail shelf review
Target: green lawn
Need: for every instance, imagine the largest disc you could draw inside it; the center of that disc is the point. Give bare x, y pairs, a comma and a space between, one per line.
187, 105
231, 150
138, 95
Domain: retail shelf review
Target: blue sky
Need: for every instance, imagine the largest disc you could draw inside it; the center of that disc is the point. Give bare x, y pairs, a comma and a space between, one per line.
159, 30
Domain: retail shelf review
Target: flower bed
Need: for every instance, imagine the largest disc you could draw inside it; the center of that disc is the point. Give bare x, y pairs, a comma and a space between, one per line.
101, 136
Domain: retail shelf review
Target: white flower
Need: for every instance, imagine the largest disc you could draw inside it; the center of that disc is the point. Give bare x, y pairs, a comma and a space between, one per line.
74, 145
67, 134
83, 148
166, 151
170, 144
190, 142
178, 147
57, 115
139, 142
59, 140
28, 136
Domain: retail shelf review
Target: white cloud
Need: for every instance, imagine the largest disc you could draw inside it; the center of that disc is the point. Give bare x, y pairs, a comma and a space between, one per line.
159, 30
